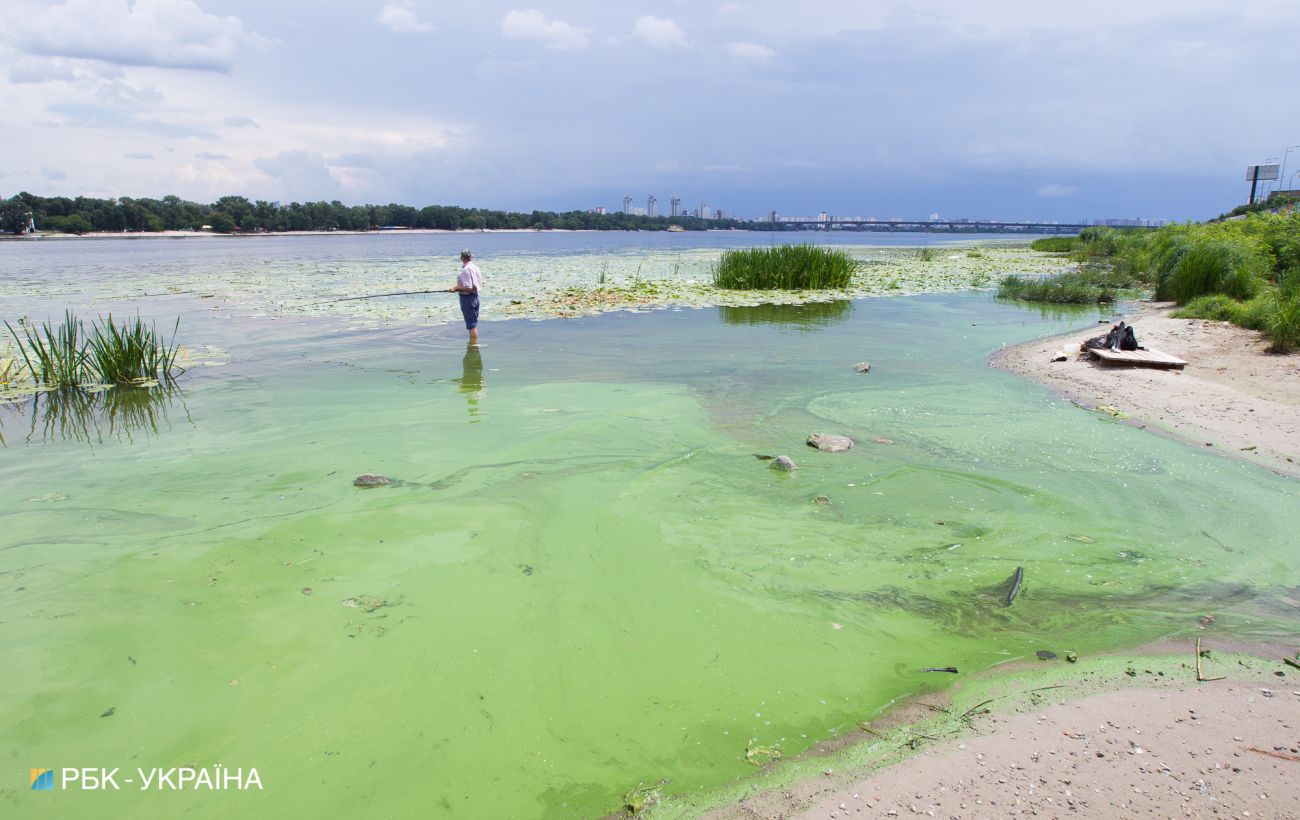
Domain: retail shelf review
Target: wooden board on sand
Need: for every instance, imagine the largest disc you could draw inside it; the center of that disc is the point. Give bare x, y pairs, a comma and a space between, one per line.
1138, 358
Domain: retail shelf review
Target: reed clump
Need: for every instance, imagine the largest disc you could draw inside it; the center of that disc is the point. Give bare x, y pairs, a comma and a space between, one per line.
67, 355
784, 267
1056, 244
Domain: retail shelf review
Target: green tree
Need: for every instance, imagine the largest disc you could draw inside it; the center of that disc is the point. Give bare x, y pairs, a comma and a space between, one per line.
221, 222
15, 215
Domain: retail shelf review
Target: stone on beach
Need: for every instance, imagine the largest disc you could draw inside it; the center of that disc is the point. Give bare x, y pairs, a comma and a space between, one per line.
829, 443
785, 464
368, 480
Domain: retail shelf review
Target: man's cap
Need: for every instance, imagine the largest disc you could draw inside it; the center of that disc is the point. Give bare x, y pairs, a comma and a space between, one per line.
465, 254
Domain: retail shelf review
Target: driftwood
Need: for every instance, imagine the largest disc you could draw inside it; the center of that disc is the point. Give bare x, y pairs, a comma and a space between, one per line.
1200, 676
1291, 662
376, 296
1016, 581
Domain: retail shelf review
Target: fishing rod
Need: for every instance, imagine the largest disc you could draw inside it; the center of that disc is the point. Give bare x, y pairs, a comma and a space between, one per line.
376, 296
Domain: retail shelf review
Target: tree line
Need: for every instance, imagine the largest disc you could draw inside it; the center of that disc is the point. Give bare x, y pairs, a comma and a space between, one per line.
237, 214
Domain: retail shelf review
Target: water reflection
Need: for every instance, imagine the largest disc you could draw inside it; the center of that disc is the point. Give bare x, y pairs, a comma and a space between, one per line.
471, 381
1065, 310
805, 318
93, 417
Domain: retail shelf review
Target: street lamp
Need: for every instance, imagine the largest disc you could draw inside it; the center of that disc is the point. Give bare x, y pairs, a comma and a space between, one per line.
1289, 149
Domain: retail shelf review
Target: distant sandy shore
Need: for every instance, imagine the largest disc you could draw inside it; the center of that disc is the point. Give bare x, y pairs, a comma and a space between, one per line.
1232, 397
240, 235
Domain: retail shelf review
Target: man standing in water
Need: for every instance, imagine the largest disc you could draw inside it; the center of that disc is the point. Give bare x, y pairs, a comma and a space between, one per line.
467, 285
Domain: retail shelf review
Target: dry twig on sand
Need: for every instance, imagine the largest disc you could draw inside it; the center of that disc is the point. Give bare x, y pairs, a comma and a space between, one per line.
1271, 753
1200, 676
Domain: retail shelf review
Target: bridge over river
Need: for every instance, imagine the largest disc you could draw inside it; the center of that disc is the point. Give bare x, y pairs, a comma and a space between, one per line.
947, 226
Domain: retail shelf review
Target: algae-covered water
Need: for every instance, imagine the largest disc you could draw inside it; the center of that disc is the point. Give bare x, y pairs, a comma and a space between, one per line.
581, 579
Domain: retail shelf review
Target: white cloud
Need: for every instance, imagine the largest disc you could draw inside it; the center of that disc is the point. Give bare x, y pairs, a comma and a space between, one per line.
301, 174
240, 121
400, 18
658, 33
750, 51
139, 155
53, 174
531, 24
1053, 189
161, 33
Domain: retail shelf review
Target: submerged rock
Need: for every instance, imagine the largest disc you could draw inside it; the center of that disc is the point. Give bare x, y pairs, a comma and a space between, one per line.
822, 499
1046, 655
368, 480
828, 443
862, 367
784, 464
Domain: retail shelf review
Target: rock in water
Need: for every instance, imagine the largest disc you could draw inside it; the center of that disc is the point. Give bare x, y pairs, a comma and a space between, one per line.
822, 499
1046, 655
369, 480
862, 367
828, 443
784, 463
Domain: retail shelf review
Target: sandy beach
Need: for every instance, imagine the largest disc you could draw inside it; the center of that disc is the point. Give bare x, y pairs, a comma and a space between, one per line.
1232, 396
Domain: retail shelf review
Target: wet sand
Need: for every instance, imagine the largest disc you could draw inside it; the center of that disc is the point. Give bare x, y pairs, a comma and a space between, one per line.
1232, 396
1125, 736
1180, 750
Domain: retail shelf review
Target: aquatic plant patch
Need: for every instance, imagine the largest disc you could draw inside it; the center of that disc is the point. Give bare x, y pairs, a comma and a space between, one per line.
784, 267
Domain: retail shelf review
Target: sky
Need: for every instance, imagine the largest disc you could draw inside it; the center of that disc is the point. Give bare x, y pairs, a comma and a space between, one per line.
997, 109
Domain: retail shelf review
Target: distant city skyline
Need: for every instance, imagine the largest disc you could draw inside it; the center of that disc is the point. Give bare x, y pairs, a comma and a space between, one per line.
1003, 110
705, 211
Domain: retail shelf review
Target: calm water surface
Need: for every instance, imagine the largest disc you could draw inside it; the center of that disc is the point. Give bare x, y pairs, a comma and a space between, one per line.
581, 578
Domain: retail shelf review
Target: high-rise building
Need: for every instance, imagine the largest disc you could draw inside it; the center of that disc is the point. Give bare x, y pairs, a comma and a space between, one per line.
675, 204
703, 212
652, 205
627, 204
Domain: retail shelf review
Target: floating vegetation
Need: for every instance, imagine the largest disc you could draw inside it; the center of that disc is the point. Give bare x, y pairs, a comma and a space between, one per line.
759, 755
11, 367
784, 267
639, 799
65, 355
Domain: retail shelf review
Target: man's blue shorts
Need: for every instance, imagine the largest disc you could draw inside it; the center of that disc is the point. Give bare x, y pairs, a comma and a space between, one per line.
469, 307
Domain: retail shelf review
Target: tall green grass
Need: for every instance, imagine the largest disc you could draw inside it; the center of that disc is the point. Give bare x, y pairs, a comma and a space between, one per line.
1233, 267
54, 355
132, 352
1066, 289
1056, 244
65, 355
784, 267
